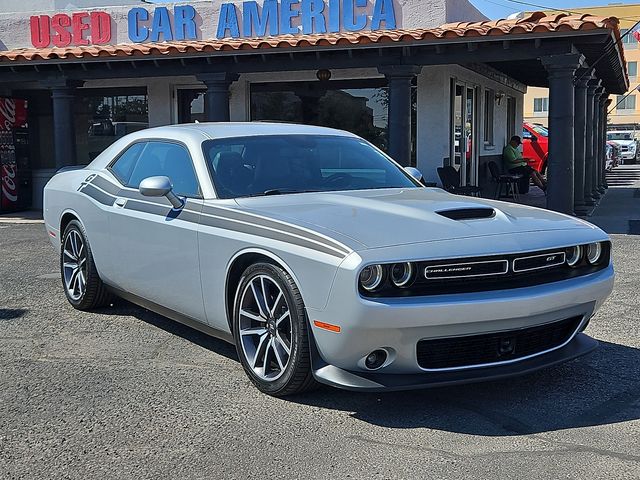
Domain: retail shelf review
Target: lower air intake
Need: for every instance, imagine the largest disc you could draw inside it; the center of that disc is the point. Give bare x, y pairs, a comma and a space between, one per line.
474, 350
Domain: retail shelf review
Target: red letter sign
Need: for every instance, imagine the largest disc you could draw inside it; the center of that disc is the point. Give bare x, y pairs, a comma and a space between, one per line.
100, 28
40, 31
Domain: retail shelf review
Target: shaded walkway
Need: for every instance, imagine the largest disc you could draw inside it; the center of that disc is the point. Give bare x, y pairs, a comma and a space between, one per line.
619, 209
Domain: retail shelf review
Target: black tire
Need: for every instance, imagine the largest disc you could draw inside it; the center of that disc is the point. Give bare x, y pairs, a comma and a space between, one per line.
95, 293
296, 376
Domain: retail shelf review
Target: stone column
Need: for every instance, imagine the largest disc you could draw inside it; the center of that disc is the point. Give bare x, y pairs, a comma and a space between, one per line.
597, 144
584, 76
63, 94
602, 185
589, 143
561, 70
400, 78
217, 95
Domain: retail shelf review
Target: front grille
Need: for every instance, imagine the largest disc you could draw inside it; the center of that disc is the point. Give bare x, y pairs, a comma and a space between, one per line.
495, 272
476, 350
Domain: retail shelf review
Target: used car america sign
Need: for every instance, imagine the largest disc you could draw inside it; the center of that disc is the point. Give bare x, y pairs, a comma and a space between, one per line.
182, 22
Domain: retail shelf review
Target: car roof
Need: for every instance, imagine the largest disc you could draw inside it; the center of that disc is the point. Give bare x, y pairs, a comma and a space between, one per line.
195, 133
243, 129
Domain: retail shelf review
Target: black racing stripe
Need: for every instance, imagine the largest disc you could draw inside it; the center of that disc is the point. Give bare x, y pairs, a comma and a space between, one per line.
98, 195
105, 185
263, 232
161, 210
265, 222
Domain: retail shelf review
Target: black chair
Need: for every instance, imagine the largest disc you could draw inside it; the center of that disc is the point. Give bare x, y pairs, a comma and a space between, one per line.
451, 182
510, 182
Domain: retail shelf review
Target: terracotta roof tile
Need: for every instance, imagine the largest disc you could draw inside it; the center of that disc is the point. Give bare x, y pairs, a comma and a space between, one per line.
534, 23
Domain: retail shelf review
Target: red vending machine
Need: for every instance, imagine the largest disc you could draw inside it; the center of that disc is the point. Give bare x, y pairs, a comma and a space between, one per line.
15, 172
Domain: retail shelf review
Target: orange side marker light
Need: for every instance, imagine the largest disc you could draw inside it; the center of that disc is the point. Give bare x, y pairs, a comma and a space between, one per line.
327, 326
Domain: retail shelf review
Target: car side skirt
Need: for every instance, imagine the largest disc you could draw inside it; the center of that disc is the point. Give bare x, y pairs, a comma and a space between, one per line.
175, 316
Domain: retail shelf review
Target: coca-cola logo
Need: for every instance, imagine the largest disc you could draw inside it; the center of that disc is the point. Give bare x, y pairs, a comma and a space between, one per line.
8, 113
9, 183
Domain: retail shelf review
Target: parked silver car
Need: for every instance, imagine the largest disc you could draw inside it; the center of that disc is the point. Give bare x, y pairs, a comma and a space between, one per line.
323, 260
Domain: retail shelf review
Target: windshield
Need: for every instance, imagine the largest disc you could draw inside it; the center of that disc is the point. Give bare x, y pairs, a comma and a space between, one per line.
280, 164
619, 136
540, 130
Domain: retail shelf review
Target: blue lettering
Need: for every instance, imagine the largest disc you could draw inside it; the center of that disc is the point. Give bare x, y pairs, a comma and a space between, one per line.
161, 25
137, 33
383, 12
353, 22
252, 22
184, 22
228, 20
287, 14
334, 16
312, 13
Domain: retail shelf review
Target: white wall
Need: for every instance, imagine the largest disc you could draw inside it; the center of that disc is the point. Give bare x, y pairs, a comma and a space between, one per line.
15, 30
434, 113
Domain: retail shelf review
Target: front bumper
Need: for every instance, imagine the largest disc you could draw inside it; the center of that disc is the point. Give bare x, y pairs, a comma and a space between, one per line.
374, 381
398, 324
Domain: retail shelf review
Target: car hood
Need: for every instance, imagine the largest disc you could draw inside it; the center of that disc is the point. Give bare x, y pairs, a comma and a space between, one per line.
388, 217
623, 142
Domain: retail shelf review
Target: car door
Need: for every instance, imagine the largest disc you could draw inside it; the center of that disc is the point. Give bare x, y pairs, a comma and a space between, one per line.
154, 247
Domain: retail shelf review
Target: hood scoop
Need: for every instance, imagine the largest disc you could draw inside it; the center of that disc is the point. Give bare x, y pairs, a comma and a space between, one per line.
468, 213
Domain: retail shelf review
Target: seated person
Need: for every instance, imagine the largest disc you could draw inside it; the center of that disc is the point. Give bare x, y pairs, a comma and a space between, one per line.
514, 163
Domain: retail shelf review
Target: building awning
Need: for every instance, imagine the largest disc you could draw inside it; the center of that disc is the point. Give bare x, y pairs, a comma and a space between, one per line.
605, 54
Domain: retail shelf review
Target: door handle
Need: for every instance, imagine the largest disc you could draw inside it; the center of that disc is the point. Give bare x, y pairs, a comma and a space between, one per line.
120, 202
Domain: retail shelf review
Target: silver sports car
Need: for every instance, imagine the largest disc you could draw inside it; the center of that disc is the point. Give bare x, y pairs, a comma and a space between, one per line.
323, 260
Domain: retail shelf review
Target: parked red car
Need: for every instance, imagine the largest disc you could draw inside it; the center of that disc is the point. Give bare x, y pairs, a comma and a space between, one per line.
535, 145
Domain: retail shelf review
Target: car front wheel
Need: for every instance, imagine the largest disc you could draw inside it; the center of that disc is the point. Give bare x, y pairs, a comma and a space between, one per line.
82, 284
271, 331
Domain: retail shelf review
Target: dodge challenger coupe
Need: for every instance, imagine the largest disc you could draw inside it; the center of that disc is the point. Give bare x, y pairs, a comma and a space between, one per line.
323, 260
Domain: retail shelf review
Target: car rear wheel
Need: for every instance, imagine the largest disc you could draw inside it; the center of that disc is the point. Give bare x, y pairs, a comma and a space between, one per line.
271, 331
82, 284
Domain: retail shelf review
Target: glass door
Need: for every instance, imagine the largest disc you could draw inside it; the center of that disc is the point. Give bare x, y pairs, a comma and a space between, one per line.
463, 144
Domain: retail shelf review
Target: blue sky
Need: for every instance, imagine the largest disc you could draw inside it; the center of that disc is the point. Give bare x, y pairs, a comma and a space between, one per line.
503, 8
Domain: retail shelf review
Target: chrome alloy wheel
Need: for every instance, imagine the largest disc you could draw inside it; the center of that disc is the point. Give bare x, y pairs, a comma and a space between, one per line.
265, 328
74, 264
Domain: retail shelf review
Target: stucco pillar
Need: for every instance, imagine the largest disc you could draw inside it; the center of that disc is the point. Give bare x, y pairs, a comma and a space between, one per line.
400, 78
580, 141
217, 96
63, 94
589, 143
561, 70
597, 144
602, 184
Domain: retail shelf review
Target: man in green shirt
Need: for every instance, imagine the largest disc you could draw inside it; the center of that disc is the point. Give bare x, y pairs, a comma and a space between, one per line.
514, 163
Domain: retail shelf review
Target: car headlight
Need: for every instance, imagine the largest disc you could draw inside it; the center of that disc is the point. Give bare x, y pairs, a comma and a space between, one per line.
574, 254
371, 277
594, 252
401, 274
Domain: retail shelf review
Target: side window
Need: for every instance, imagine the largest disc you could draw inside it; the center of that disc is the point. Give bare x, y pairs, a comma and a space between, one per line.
124, 165
168, 159
526, 134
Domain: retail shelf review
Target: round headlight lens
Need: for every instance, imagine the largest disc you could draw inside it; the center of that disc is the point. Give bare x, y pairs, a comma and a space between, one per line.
574, 254
401, 274
594, 252
371, 277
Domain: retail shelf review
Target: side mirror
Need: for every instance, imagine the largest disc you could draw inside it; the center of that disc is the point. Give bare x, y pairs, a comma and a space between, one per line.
414, 173
160, 187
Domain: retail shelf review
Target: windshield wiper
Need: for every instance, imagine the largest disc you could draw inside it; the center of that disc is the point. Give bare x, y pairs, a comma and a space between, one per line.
281, 191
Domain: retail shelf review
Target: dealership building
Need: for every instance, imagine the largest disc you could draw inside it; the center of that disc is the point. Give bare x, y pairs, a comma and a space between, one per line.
431, 82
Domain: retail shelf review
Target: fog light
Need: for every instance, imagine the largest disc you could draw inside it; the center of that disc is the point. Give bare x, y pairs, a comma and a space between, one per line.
375, 359
371, 277
574, 254
594, 252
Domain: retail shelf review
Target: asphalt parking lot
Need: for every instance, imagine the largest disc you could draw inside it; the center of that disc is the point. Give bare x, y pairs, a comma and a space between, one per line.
124, 393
